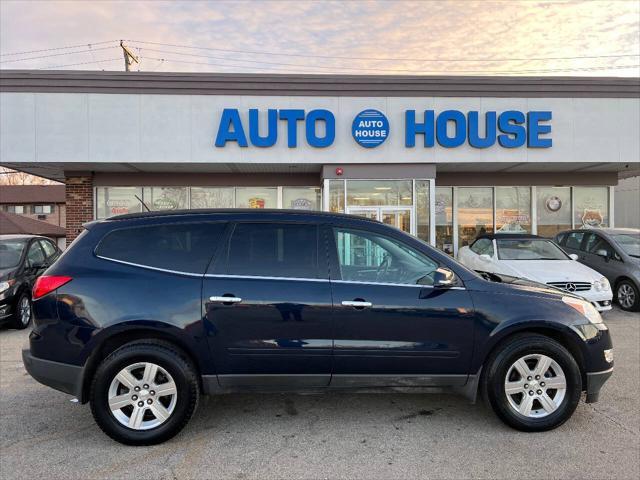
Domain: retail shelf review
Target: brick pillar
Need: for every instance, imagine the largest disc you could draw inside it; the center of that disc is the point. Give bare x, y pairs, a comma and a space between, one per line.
79, 198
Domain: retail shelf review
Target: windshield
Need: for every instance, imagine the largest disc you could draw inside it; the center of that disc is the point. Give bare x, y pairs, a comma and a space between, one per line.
629, 243
529, 249
11, 252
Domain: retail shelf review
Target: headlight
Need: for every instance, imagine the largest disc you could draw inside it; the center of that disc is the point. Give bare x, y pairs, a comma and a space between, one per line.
584, 308
4, 286
601, 285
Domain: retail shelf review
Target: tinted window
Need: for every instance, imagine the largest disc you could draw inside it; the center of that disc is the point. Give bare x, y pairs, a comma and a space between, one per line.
49, 249
594, 242
574, 240
274, 250
373, 258
484, 246
180, 247
35, 255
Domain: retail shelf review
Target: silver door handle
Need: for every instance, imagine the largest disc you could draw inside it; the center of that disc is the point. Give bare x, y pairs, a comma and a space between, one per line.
225, 299
355, 303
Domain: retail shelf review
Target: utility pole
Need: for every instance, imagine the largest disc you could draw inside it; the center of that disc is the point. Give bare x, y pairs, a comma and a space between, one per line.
129, 57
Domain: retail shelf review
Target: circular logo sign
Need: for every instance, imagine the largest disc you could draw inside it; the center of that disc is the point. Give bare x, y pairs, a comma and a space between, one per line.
554, 204
370, 128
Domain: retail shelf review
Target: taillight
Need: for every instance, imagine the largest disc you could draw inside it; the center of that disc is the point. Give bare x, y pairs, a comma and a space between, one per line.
47, 284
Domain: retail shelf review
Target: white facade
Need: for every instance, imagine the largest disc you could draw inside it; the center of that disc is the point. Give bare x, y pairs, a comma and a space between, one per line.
92, 128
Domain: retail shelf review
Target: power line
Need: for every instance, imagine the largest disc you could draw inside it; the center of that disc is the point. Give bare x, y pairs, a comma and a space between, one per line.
81, 63
56, 48
334, 57
321, 67
57, 54
417, 71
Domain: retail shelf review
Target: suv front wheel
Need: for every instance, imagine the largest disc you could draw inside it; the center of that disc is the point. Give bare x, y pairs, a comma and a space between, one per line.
533, 383
144, 393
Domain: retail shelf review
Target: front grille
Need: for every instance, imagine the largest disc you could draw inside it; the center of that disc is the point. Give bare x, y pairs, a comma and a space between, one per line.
571, 286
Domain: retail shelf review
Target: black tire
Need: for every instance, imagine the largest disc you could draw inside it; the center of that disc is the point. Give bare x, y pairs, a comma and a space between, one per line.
165, 356
17, 321
628, 284
498, 367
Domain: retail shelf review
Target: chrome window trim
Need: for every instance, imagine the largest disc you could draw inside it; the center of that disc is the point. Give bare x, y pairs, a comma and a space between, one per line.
158, 269
260, 277
387, 284
384, 284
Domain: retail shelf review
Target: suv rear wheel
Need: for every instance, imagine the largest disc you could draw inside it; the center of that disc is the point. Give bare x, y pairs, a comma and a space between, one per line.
533, 383
144, 393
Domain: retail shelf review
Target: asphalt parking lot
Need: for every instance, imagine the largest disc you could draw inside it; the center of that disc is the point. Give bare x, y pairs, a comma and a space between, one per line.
44, 435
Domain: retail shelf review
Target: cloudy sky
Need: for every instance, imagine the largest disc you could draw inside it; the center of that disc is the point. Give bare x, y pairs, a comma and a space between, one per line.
511, 37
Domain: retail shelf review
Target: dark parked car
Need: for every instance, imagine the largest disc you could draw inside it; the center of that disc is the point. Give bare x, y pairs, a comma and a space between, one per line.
615, 253
22, 259
144, 312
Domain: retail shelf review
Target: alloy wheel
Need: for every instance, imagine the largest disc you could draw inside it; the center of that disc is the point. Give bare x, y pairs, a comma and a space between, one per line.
626, 296
535, 386
142, 396
24, 310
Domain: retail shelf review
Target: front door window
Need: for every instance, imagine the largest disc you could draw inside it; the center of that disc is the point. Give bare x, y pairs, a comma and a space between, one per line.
372, 258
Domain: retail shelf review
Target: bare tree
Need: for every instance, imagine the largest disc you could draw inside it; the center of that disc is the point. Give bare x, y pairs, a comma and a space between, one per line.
13, 177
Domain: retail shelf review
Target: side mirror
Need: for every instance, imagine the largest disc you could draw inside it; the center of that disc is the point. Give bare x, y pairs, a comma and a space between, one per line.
486, 258
603, 253
444, 278
573, 256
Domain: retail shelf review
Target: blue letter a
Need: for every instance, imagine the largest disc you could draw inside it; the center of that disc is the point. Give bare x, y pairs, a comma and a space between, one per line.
230, 118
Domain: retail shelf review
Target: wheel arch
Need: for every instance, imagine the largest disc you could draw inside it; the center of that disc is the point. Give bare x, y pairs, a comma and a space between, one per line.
111, 341
621, 279
560, 333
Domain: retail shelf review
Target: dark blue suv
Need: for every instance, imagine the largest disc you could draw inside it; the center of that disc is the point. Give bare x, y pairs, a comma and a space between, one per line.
145, 312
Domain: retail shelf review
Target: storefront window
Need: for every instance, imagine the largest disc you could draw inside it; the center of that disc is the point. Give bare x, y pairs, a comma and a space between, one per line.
165, 198
475, 213
553, 210
422, 209
112, 201
513, 209
256, 197
336, 196
444, 219
212, 197
301, 198
591, 207
379, 192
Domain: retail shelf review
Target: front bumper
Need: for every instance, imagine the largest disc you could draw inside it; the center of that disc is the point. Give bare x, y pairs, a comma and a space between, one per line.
595, 381
60, 376
601, 300
6, 311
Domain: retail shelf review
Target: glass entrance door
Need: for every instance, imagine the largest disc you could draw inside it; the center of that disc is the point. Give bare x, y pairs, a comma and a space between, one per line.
399, 217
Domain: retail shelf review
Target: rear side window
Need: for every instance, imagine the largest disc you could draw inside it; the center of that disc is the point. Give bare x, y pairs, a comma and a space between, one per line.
274, 250
181, 247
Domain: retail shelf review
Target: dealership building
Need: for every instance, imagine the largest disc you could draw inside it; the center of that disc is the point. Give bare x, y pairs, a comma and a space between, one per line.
443, 158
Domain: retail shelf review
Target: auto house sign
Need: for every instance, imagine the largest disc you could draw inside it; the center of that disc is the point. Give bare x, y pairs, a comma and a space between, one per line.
370, 128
